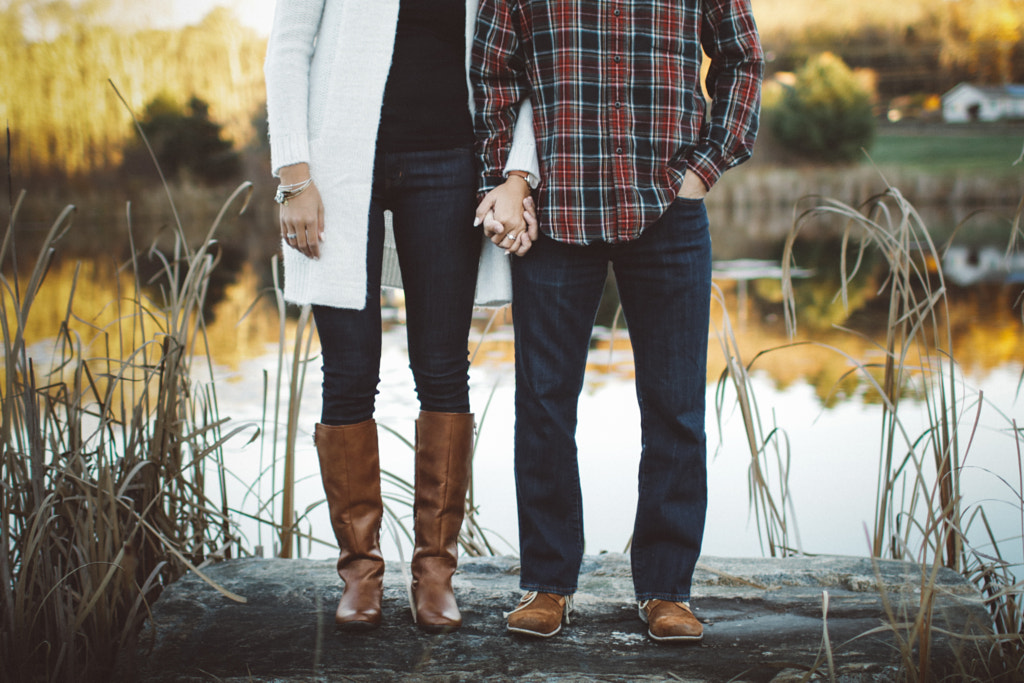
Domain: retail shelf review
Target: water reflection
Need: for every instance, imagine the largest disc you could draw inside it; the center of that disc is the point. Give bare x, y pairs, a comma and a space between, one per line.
830, 415
970, 265
833, 469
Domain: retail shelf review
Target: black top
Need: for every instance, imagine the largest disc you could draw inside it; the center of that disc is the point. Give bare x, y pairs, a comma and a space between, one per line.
426, 102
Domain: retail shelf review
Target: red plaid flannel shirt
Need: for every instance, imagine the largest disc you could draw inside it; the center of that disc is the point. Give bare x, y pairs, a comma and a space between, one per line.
619, 114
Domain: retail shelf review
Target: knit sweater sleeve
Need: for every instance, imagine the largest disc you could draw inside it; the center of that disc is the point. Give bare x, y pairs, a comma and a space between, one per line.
522, 156
287, 73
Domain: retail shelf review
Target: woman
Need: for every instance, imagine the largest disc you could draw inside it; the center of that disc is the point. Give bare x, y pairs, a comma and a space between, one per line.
369, 110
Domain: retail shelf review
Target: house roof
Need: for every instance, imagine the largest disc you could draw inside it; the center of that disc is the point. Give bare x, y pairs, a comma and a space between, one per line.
1010, 90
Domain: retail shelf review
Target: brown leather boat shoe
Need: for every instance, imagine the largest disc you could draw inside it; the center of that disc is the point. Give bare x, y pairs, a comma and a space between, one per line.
540, 614
670, 621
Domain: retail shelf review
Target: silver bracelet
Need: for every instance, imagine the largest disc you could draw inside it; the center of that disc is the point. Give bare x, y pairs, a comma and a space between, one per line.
286, 192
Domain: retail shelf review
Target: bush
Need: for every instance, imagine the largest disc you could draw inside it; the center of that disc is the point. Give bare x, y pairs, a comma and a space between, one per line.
826, 114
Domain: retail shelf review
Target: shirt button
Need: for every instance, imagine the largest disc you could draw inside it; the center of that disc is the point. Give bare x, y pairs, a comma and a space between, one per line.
618, 105
618, 12
617, 59
618, 150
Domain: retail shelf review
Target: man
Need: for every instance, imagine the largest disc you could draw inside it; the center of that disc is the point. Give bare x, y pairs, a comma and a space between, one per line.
628, 149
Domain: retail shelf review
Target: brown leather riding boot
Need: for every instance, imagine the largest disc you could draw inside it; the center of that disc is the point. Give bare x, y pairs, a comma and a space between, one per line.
350, 469
444, 448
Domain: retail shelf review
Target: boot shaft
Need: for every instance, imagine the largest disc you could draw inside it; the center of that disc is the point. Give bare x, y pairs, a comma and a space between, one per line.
350, 470
444, 452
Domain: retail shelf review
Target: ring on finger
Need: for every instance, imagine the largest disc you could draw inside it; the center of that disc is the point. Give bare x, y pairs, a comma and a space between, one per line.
509, 236
290, 236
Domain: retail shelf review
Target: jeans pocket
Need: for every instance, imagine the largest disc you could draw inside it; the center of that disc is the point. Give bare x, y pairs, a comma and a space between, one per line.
689, 213
691, 201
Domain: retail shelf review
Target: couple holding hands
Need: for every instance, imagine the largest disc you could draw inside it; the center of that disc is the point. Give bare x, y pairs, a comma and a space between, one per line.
575, 134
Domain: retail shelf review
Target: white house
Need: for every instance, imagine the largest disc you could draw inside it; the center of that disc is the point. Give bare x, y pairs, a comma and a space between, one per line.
967, 102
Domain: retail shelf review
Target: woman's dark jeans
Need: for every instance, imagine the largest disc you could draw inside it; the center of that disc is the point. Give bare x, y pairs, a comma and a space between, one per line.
432, 199
664, 282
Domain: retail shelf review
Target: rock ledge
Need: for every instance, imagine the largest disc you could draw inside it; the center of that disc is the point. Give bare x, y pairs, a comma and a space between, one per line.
763, 622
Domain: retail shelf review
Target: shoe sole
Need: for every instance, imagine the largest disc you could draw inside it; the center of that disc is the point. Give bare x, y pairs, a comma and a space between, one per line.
535, 634
675, 639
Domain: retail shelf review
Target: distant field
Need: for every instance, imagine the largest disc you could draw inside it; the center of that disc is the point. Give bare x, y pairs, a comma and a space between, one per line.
988, 153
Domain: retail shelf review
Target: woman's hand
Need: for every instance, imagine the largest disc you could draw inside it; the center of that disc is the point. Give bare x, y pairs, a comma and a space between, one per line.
505, 204
523, 240
302, 217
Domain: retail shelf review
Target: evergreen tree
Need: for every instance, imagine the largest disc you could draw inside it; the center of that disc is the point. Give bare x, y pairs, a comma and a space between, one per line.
184, 138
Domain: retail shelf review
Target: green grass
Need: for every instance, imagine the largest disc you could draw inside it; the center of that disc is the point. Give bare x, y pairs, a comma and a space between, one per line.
943, 152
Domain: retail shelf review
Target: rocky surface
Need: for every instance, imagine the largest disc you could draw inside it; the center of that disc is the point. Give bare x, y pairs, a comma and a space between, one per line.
763, 622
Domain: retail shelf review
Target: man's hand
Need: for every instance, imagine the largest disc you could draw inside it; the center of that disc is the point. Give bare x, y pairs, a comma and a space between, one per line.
523, 240
693, 187
505, 203
527, 238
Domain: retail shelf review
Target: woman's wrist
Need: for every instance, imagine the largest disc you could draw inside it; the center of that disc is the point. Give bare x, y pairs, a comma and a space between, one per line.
295, 180
288, 192
294, 174
524, 185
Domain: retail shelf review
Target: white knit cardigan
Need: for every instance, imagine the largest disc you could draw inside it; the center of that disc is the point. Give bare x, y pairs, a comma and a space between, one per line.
326, 67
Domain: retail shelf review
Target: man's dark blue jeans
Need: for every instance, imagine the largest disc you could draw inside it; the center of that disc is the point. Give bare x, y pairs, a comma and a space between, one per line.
664, 283
432, 199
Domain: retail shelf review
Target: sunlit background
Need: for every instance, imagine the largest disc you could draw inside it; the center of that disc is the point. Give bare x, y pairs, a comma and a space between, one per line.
257, 14
929, 100
73, 141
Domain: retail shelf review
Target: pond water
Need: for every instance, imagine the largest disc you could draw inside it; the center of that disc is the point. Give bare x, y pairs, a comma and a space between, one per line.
832, 428
830, 418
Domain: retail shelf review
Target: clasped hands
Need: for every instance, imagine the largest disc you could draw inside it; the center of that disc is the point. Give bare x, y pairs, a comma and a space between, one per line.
509, 216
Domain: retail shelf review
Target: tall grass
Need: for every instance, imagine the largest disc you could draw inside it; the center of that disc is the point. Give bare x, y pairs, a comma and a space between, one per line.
108, 445
920, 515
107, 448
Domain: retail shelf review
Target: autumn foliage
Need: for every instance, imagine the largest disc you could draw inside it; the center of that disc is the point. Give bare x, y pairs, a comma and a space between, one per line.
63, 115
59, 57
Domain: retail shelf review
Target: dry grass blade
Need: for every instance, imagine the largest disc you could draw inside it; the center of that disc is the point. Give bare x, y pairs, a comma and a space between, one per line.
768, 505
304, 330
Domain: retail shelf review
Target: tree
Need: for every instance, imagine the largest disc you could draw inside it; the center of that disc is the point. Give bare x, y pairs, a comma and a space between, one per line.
826, 114
983, 36
185, 139
59, 57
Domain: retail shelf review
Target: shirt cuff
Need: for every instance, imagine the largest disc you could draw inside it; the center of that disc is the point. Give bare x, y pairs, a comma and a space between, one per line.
286, 150
706, 168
